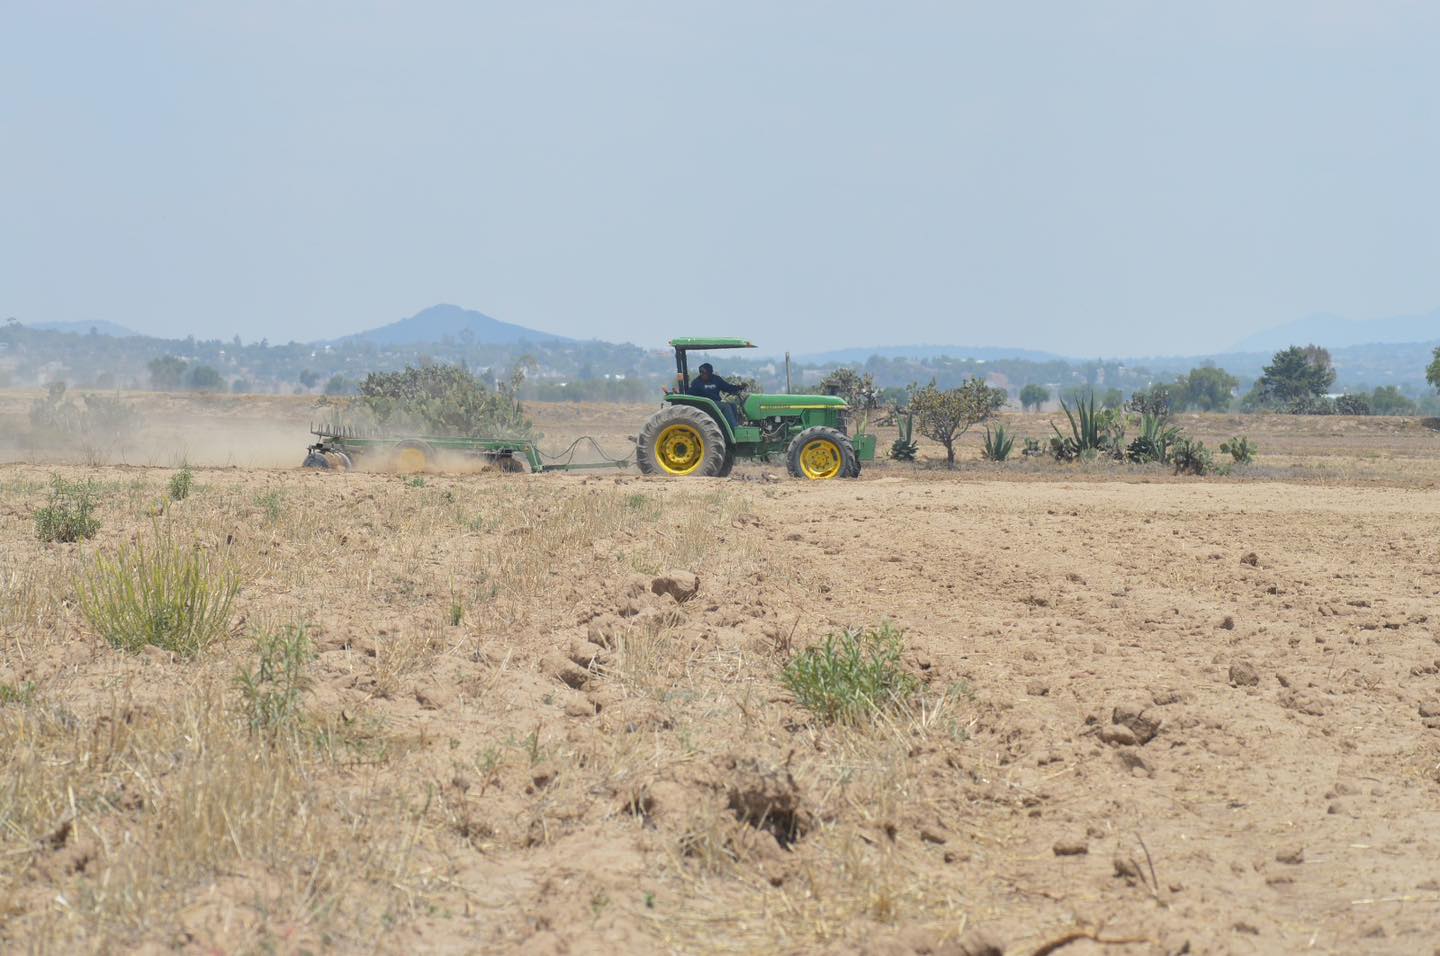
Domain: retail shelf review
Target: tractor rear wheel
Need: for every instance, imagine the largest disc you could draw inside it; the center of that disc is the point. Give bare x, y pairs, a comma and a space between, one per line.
681, 441
821, 453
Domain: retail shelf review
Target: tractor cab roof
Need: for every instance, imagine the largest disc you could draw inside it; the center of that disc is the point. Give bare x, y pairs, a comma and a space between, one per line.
684, 344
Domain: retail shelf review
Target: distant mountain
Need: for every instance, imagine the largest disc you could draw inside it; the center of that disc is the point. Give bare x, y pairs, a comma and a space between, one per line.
100, 327
1332, 332
925, 352
440, 322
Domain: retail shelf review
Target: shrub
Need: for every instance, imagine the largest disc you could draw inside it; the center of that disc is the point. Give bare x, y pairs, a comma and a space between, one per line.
69, 515
997, 444
1032, 448
1192, 458
1155, 440
270, 693
169, 595
858, 390
203, 378
1352, 405
166, 372
1240, 448
851, 676
1311, 405
56, 418
905, 447
182, 483
339, 385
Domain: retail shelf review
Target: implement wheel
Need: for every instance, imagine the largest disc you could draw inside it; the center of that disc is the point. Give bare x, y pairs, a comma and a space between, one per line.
680, 441
409, 457
820, 454
505, 464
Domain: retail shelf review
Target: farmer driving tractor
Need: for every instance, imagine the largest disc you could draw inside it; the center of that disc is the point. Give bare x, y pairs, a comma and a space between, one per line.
709, 385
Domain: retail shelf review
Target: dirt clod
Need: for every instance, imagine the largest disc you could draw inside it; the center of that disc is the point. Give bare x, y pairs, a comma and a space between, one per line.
1118, 735
971, 944
1244, 674
767, 798
1071, 846
1251, 558
1291, 854
681, 585
1134, 717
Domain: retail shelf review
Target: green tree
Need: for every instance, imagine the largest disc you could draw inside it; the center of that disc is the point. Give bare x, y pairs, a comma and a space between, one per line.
1113, 398
446, 399
203, 378
339, 385
944, 416
166, 372
1032, 396
1389, 400
1206, 389
1432, 371
858, 390
1296, 374
309, 378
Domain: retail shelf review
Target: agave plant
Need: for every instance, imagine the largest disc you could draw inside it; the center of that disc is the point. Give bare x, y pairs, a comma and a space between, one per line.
1093, 432
998, 444
1156, 440
905, 446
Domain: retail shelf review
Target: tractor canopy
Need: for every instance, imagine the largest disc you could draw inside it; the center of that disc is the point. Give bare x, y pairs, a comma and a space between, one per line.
684, 344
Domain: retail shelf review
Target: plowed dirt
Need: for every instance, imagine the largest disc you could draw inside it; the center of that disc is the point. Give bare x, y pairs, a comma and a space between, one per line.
544, 713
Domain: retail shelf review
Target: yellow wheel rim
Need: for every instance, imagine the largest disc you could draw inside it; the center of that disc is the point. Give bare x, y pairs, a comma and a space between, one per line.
680, 449
820, 459
409, 460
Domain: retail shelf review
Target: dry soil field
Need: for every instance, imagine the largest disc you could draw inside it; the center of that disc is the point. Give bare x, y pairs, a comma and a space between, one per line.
545, 714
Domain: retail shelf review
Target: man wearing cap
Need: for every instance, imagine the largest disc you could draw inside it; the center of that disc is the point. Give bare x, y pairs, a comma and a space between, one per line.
709, 385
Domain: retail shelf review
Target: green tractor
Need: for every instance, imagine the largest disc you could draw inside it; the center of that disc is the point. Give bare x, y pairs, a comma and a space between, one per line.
691, 434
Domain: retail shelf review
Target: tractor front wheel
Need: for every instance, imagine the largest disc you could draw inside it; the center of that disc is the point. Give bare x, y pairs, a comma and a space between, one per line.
681, 441
822, 453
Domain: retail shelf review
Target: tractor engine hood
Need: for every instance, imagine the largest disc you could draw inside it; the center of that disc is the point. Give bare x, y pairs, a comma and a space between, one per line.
759, 407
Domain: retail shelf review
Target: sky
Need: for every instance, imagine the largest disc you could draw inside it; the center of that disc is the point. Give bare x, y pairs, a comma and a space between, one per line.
1116, 178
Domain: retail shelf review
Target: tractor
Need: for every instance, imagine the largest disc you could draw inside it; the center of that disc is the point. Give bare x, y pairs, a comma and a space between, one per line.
690, 435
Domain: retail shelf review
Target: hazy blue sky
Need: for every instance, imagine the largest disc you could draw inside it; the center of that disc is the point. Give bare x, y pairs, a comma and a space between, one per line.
1108, 177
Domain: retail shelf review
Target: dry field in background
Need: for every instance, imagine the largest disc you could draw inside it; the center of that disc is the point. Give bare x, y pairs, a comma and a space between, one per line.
1174, 711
